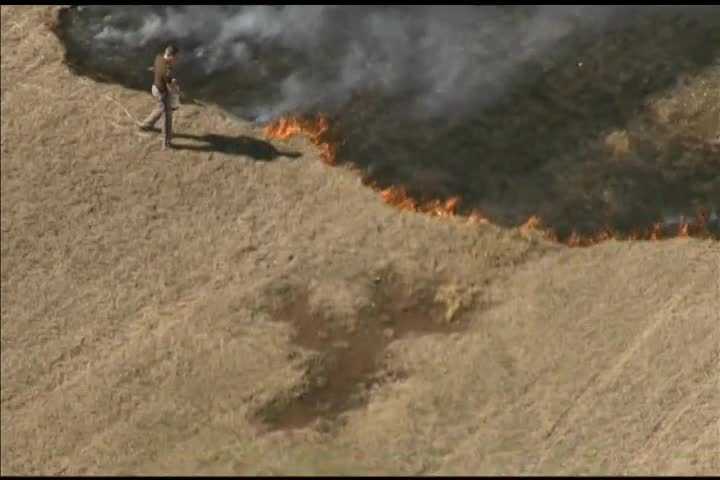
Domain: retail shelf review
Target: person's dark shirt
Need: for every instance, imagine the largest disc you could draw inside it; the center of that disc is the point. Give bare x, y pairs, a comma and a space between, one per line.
163, 73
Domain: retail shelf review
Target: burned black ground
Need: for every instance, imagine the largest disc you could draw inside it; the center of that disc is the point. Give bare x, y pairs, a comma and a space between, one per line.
537, 149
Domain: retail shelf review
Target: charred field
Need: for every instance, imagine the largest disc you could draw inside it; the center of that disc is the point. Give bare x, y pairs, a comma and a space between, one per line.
570, 132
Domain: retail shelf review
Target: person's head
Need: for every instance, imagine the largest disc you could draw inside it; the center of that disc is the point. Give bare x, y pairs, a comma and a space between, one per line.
171, 52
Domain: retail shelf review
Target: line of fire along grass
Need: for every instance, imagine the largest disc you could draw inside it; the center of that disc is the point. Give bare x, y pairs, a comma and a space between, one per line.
318, 130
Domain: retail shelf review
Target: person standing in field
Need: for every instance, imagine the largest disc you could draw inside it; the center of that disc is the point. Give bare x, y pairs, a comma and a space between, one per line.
163, 88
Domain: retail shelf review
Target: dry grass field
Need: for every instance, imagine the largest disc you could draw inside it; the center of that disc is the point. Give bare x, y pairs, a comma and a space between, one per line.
176, 312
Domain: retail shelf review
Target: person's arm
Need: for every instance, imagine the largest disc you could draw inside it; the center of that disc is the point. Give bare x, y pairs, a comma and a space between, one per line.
170, 81
160, 75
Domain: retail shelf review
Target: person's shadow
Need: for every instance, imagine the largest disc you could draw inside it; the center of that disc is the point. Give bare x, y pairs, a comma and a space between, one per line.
240, 145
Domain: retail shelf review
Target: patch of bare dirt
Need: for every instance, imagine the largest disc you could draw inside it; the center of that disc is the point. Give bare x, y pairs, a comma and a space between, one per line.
348, 359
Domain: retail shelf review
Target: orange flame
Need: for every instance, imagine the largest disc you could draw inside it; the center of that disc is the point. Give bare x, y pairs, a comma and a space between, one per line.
398, 197
532, 224
694, 228
478, 218
317, 130
656, 232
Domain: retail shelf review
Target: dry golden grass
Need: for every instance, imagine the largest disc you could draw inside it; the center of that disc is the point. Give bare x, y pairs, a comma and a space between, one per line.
135, 338
618, 142
693, 109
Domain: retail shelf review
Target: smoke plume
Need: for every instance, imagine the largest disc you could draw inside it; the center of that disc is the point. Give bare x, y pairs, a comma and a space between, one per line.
439, 58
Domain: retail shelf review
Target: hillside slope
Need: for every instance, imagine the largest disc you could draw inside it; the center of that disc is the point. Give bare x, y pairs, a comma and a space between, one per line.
138, 289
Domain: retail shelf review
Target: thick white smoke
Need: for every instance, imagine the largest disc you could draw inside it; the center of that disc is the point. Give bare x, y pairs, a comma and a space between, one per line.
442, 58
